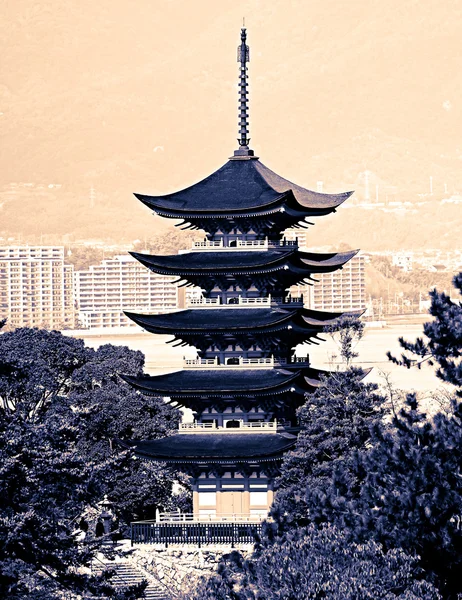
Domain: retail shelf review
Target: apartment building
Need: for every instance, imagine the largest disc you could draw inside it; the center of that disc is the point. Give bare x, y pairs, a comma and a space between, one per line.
121, 283
36, 287
342, 290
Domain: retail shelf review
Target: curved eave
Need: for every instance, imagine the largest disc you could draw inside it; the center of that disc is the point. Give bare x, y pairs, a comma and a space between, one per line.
324, 318
215, 262
307, 199
243, 263
213, 321
215, 383
314, 380
242, 188
165, 209
236, 446
328, 261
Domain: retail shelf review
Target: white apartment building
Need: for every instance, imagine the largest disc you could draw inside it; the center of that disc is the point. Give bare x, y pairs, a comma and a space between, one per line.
342, 290
121, 283
36, 287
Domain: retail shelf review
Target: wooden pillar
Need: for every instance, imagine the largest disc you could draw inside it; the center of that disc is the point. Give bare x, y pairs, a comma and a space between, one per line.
219, 504
195, 503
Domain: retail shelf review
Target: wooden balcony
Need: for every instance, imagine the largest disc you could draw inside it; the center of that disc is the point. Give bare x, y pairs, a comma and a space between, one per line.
246, 245
244, 426
244, 363
188, 529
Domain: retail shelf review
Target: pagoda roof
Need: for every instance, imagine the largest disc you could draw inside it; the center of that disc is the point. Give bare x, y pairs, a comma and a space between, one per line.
217, 263
234, 320
180, 448
244, 187
223, 382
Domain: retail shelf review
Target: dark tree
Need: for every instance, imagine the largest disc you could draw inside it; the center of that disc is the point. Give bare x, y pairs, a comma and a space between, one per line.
312, 563
61, 405
335, 422
407, 492
443, 345
346, 332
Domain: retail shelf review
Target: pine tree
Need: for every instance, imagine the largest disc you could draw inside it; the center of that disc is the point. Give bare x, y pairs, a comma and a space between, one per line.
335, 422
444, 339
60, 405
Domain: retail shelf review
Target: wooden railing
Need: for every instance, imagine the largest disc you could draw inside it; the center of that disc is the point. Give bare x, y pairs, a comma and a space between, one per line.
200, 245
232, 533
179, 517
242, 363
254, 426
239, 302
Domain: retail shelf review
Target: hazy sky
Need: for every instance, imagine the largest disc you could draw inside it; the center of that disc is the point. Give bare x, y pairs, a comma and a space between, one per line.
142, 94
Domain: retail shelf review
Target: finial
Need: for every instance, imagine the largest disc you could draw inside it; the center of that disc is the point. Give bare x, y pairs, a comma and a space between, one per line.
243, 56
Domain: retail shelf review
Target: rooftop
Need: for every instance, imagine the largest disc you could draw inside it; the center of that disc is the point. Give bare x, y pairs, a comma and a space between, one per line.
183, 447
243, 186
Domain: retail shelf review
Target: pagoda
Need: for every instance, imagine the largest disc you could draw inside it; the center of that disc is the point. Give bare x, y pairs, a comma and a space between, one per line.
246, 383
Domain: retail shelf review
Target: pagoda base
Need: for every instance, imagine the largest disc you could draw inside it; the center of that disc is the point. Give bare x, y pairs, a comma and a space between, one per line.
197, 533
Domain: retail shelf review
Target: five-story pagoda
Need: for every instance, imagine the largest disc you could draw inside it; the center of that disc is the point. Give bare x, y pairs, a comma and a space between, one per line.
246, 384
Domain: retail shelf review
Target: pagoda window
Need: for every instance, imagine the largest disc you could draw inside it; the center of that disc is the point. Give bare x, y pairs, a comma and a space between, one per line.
233, 424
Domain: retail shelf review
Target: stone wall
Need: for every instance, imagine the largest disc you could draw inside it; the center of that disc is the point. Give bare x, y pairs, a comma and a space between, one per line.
176, 569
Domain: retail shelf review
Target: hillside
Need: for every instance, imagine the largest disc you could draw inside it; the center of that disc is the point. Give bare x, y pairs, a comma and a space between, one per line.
124, 98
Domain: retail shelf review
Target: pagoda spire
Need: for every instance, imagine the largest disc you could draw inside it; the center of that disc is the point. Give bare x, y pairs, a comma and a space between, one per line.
243, 57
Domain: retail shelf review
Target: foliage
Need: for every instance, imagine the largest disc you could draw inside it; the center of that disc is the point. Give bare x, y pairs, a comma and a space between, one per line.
444, 334
312, 563
168, 242
406, 491
383, 279
62, 404
347, 331
82, 257
335, 422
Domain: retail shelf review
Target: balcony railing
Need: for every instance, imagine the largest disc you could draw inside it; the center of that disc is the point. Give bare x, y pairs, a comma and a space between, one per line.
252, 426
264, 244
263, 302
195, 532
178, 517
240, 363
243, 363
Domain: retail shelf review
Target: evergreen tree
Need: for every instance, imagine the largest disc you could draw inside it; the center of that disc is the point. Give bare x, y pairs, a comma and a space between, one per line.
313, 563
335, 421
406, 492
61, 404
444, 335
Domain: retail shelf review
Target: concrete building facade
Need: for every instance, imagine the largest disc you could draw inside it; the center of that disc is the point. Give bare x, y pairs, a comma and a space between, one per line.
105, 290
36, 287
342, 290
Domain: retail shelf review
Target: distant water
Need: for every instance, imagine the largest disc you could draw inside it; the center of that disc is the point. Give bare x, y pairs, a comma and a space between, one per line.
162, 357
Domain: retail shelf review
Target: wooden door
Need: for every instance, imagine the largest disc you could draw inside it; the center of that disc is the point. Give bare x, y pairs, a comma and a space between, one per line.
232, 503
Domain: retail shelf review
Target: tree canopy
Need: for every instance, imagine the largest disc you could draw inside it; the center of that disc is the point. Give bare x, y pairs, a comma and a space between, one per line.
61, 405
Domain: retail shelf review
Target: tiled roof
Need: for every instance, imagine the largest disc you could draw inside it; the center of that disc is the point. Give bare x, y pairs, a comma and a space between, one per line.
233, 319
234, 445
228, 262
222, 381
243, 185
